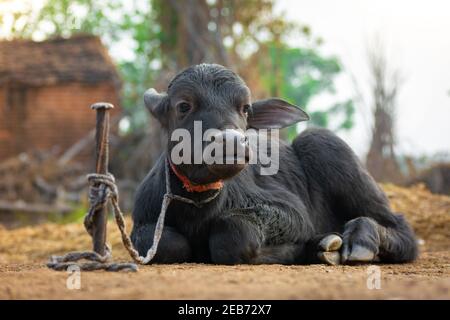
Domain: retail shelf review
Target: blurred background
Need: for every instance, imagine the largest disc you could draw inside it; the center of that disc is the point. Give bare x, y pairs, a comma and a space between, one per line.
375, 73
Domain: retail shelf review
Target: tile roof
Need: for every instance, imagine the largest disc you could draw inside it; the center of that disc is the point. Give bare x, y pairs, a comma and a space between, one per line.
82, 58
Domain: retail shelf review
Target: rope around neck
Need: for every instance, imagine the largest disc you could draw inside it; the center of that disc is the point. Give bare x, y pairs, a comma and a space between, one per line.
102, 187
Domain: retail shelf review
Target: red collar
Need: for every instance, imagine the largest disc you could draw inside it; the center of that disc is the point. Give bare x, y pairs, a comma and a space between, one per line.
190, 187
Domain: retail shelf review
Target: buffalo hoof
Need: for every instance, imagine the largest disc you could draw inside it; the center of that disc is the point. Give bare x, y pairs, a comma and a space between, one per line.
329, 249
361, 241
358, 254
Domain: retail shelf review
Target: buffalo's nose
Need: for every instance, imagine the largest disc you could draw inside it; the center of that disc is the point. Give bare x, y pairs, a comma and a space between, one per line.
234, 147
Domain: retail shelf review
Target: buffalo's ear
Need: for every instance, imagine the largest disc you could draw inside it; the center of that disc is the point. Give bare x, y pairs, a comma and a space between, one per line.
157, 104
274, 113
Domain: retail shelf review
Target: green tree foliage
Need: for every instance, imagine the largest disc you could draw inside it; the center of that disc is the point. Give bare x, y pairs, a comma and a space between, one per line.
62, 18
296, 74
301, 74
166, 35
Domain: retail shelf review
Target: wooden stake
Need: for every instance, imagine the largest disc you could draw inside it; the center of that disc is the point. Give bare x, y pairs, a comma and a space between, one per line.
101, 167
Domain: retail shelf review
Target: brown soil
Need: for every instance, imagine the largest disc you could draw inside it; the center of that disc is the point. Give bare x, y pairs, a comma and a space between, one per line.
23, 274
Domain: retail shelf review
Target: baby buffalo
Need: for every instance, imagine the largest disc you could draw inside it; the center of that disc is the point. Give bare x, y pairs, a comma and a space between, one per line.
320, 206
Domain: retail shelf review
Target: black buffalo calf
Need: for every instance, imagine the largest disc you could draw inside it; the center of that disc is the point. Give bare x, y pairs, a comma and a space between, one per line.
321, 205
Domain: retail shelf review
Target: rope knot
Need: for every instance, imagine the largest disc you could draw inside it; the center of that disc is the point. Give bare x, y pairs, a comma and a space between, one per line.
101, 186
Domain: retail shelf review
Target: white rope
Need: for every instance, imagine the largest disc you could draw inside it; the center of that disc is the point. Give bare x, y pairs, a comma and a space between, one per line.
102, 189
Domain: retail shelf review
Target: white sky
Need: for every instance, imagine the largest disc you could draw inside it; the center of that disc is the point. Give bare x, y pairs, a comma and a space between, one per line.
416, 35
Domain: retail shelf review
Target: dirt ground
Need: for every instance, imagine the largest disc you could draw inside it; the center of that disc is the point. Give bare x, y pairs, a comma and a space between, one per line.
24, 251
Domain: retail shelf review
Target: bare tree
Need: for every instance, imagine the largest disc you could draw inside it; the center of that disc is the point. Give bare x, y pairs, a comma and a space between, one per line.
381, 158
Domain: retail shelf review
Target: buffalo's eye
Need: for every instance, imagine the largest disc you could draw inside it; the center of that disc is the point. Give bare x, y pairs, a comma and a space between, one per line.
184, 107
245, 109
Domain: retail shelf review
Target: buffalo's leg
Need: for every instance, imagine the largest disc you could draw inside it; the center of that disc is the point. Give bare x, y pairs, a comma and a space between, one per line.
241, 247
236, 240
370, 228
173, 247
366, 240
288, 253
